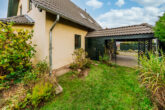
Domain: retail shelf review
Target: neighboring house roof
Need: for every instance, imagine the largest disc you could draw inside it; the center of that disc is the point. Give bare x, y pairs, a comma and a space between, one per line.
68, 10
22, 20
122, 31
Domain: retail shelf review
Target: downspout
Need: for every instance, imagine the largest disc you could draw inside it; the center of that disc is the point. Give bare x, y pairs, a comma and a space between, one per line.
50, 43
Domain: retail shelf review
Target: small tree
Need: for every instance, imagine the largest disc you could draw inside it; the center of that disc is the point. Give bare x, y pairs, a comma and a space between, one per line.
16, 51
159, 29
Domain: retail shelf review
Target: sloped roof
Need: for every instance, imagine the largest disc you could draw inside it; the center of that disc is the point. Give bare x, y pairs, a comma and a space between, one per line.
22, 20
121, 31
67, 9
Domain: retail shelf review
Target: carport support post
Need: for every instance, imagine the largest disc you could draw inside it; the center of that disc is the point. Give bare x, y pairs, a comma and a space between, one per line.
157, 45
150, 45
138, 52
144, 47
115, 50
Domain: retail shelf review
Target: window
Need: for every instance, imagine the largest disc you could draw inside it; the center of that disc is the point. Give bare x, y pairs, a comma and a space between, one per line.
77, 41
21, 10
29, 4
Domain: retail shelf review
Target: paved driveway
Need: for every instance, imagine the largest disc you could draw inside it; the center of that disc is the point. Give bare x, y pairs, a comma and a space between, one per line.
129, 61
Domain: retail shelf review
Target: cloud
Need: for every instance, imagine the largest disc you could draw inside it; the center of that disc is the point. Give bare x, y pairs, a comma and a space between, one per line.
134, 15
151, 3
94, 3
120, 3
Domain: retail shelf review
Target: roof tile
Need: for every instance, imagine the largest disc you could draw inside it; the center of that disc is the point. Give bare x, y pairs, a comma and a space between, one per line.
22, 19
121, 31
68, 10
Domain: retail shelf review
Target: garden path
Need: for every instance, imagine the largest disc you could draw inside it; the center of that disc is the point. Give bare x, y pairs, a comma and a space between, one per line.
125, 60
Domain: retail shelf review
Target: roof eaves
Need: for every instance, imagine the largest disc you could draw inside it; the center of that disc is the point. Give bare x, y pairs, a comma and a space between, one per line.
29, 18
50, 11
31, 24
96, 36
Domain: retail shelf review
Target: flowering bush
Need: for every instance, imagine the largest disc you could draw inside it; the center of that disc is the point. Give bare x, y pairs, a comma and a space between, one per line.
16, 51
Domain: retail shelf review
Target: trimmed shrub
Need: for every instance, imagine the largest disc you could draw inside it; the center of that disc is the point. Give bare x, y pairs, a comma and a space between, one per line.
128, 46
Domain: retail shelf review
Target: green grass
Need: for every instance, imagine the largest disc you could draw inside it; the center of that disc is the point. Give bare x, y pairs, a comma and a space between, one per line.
106, 88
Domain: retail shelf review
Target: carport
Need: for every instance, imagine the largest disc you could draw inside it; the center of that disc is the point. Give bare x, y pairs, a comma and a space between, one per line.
96, 41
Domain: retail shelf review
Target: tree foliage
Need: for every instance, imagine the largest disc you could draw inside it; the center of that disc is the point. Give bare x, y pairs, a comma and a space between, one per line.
160, 28
16, 50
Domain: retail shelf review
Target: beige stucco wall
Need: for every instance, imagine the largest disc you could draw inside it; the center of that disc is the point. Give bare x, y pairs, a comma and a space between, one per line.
63, 42
39, 35
63, 36
25, 27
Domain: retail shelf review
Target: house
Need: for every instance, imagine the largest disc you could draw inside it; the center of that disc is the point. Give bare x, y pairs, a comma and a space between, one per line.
60, 27
68, 23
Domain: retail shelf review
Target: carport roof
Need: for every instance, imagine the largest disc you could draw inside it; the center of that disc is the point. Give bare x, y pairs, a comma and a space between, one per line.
123, 31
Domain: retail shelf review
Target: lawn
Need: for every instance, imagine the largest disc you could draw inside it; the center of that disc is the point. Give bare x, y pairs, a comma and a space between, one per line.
105, 88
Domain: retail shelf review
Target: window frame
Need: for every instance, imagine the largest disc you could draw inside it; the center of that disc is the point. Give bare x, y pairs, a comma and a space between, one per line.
29, 5
77, 39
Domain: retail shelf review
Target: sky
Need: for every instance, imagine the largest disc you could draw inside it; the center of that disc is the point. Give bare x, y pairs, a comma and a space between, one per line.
3, 8
115, 13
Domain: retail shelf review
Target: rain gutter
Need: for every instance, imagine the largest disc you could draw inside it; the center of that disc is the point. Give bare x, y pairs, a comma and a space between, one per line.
50, 43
